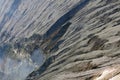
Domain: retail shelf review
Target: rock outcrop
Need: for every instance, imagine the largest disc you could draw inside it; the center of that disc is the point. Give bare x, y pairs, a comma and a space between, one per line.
80, 38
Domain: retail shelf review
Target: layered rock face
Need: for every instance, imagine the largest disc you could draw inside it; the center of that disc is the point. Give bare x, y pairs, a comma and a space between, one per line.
79, 38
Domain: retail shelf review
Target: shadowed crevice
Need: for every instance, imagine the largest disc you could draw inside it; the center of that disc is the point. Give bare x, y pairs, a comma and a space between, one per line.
65, 18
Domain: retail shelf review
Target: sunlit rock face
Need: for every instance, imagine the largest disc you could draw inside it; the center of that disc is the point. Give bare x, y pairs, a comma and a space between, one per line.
79, 39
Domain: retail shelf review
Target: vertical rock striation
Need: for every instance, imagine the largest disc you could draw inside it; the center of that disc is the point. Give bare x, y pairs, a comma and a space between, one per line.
79, 38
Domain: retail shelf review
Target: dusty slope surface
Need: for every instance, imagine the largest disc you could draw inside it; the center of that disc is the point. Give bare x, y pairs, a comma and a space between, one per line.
20, 19
25, 17
80, 38
89, 48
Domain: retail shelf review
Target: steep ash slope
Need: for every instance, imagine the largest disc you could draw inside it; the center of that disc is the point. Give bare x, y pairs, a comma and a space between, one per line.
80, 38
21, 25
23, 18
83, 45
